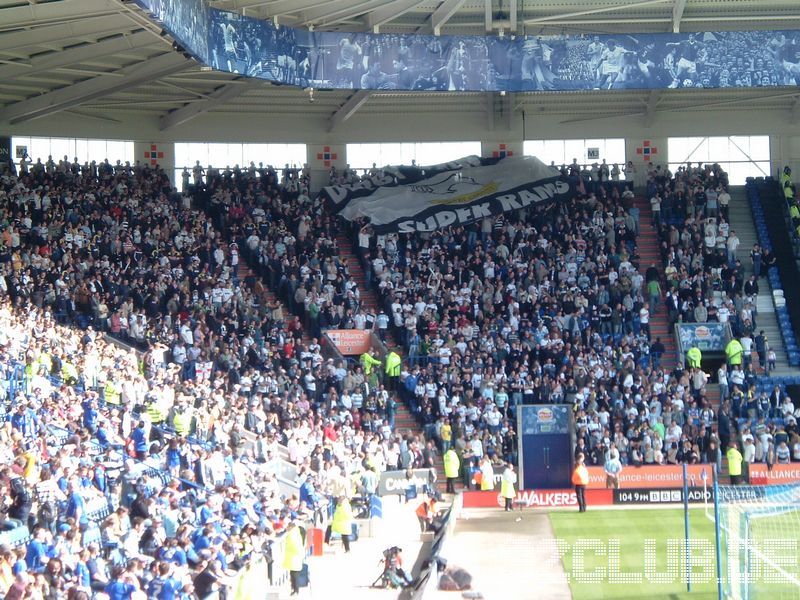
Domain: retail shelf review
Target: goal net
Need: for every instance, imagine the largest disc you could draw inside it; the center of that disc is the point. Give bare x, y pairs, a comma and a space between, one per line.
760, 541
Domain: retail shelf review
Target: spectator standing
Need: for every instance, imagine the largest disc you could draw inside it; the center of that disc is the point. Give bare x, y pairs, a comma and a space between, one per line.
612, 467
755, 260
732, 246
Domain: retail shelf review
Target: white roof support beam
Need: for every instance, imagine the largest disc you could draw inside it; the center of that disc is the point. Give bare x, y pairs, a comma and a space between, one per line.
652, 104
79, 54
441, 16
339, 11
512, 15
54, 34
594, 11
677, 15
488, 14
53, 12
240, 4
391, 11
348, 109
92, 89
285, 7
195, 109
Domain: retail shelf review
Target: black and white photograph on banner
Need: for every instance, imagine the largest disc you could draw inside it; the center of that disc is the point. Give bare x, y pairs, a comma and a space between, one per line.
244, 45
187, 21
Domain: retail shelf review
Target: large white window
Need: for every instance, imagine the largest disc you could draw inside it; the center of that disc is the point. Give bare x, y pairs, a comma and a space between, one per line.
230, 155
741, 156
82, 149
363, 156
588, 151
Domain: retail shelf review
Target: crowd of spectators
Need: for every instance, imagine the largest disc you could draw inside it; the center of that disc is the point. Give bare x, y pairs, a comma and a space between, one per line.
174, 449
172, 443
709, 280
531, 308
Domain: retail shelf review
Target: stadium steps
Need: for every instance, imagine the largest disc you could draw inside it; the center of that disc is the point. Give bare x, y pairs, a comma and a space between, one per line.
404, 421
245, 274
741, 221
713, 395
369, 298
649, 253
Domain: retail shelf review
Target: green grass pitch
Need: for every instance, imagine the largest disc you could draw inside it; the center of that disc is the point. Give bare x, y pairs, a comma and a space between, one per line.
653, 569
641, 554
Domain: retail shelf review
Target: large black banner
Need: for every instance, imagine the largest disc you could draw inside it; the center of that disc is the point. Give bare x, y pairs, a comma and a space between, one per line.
411, 199
234, 43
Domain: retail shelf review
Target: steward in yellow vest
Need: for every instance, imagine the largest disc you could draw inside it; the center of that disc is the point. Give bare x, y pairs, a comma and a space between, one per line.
694, 357
452, 465
734, 352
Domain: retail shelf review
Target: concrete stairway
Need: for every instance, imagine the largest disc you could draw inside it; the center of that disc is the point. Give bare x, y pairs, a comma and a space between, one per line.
648, 246
369, 299
405, 422
244, 272
741, 221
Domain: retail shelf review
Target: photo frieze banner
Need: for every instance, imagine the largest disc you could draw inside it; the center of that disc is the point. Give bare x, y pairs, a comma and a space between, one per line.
234, 43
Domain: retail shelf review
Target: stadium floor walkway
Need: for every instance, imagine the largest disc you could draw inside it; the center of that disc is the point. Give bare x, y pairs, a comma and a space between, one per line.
509, 554
340, 575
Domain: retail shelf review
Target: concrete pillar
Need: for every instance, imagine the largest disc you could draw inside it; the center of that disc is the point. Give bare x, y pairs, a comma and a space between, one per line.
501, 149
321, 157
6, 153
785, 150
157, 153
642, 152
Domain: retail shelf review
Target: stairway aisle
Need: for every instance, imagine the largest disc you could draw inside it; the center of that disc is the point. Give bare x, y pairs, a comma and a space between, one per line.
369, 299
405, 422
244, 271
741, 221
648, 245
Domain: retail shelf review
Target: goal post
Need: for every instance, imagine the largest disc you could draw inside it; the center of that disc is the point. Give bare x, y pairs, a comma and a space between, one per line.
758, 528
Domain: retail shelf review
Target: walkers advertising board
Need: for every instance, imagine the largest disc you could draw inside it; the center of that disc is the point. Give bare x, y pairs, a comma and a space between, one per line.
557, 498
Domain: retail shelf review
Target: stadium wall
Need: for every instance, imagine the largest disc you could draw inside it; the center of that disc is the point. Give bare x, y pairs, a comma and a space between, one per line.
435, 126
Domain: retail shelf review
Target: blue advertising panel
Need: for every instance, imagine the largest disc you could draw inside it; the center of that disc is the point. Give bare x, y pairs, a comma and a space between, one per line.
251, 47
711, 337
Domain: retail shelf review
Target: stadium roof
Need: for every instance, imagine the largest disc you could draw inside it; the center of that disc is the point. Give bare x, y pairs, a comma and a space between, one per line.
105, 60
